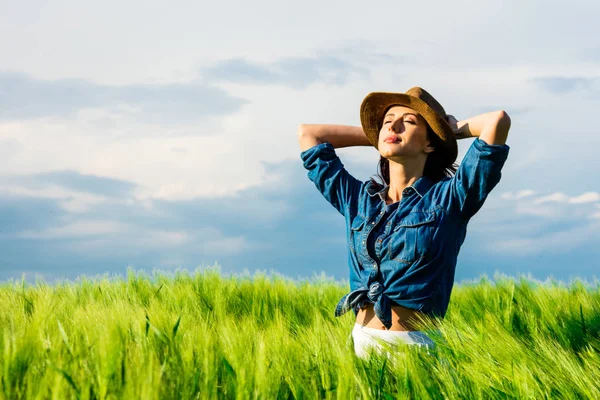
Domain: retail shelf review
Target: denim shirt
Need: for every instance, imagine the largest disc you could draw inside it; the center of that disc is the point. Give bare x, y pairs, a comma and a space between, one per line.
404, 253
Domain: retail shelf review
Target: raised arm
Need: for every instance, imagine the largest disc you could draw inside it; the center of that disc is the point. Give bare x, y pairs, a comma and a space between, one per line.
491, 127
480, 170
325, 169
339, 136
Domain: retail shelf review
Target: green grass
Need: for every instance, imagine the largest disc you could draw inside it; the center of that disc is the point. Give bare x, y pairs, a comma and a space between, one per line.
264, 336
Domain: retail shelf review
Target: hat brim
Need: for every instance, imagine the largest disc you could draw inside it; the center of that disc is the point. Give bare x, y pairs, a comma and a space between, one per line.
375, 104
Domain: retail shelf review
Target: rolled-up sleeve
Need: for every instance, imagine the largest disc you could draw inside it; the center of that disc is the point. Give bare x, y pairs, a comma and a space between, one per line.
326, 171
478, 173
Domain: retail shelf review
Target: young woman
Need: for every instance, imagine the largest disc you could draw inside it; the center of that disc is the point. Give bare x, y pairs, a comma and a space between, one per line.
404, 234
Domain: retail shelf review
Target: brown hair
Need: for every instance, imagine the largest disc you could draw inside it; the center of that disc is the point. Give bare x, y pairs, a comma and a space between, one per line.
436, 167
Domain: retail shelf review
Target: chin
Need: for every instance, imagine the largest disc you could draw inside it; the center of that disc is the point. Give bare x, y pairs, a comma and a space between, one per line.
387, 153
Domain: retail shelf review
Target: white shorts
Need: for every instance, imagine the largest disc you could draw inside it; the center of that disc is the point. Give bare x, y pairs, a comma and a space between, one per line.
366, 339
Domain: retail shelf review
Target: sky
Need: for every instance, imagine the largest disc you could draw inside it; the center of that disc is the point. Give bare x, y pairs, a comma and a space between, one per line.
161, 136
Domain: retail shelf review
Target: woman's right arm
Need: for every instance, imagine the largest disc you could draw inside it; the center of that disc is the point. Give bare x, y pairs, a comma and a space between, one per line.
325, 169
310, 135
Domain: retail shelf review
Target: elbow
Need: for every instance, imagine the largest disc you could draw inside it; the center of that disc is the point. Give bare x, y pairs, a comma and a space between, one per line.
499, 131
304, 130
308, 131
301, 130
306, 137
502, 119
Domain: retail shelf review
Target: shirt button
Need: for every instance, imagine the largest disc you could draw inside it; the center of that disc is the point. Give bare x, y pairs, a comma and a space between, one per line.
363, 242
372, 223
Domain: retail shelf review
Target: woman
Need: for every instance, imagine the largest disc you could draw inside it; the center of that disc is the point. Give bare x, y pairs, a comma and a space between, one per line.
404, 234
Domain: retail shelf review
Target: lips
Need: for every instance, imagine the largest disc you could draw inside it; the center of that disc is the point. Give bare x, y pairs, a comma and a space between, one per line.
391, 139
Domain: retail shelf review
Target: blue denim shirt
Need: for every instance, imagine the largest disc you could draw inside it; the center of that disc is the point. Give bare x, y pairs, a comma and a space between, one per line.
405, 253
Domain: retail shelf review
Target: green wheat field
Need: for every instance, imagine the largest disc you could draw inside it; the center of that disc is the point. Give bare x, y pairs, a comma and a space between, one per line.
204, 335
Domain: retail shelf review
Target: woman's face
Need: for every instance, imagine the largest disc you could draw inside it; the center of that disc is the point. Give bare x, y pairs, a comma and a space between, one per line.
403, 133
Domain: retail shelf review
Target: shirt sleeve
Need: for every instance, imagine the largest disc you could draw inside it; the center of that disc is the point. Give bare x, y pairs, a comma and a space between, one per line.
478, 173
326, 171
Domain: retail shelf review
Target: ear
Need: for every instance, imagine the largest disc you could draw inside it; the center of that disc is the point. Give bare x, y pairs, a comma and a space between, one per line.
429, 148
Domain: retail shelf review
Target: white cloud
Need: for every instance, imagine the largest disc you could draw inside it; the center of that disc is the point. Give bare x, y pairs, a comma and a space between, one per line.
9, 147
69, 200
81, 203
518, 195
557, 197
206, 240
525, 193
588, 197
546, 210
596, 214
547, 241
549, 206
48, 191
163, 45
77, 229
211, 166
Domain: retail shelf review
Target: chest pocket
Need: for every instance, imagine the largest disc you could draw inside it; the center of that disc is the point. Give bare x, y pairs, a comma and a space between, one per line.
412, 236
356, 231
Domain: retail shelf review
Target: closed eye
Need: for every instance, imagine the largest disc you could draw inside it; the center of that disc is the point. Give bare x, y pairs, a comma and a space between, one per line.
406, 120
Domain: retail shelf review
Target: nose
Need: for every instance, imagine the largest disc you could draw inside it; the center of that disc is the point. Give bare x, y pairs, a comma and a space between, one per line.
397, 125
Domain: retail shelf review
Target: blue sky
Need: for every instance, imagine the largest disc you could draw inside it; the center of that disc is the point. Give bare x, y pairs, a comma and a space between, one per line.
156, 135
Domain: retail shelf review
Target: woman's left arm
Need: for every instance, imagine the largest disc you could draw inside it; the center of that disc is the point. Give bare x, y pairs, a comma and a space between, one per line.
491, 127
480, 170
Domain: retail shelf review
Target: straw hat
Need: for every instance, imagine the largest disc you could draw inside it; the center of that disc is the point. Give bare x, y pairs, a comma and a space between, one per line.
374, 106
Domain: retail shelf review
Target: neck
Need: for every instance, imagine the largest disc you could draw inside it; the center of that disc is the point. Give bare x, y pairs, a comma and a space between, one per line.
402, 176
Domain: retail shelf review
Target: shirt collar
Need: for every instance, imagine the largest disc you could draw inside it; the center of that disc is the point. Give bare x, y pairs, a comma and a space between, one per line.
421, 186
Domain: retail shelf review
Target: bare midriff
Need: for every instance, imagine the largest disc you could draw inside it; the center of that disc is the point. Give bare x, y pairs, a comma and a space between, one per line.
403, 319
